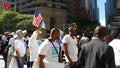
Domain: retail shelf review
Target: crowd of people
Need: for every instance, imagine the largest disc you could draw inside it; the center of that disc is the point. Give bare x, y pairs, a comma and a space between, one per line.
102, 50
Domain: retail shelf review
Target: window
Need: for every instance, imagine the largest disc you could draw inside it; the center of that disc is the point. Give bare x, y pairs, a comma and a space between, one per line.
18, 4
52, 22
57, 7
57, 0
23, 3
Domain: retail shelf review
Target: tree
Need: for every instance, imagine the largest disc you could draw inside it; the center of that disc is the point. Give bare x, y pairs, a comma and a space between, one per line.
25, 25
84, 24
11, 21
25, 22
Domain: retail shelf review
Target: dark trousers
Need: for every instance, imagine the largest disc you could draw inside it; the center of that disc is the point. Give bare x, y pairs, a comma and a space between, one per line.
75, 65
31, 63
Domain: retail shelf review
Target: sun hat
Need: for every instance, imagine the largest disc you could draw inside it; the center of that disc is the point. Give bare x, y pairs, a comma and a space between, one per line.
20, 33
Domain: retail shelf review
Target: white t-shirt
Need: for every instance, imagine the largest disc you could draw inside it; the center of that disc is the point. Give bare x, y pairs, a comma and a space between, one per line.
84, 40
11, 42
20, 46
34, 46
72, 47
51, 57
116, 47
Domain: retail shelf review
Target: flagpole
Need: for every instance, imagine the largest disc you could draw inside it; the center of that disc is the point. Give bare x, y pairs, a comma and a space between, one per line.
39, 28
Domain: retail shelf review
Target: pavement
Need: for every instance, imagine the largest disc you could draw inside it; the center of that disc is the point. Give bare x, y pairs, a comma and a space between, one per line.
1, 62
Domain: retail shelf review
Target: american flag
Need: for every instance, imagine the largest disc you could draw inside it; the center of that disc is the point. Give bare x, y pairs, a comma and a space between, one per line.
37, 18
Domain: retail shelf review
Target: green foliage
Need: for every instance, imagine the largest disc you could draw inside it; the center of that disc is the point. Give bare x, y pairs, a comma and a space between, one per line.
11, 21
84, 24
25, 25
8, 19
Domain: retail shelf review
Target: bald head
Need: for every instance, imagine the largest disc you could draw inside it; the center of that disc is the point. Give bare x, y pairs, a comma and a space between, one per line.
100, 31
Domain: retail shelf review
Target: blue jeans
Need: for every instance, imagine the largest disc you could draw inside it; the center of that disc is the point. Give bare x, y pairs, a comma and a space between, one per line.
18, 63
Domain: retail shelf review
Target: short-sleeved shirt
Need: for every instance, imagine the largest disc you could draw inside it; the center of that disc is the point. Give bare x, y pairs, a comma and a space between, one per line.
51, 56
72, 47
115, 44
47, 49
20, 46
34, 46
11, 41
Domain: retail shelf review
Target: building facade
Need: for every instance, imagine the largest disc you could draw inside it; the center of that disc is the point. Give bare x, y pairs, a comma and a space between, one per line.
109, 10
56, 13
87, 8
82, 8
113, 12
94, 10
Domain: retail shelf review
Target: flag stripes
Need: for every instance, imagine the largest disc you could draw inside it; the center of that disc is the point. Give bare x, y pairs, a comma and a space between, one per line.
37, 18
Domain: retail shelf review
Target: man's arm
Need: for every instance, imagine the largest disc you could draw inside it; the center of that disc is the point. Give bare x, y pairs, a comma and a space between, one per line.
5, 50
41, 63
19, 58
110, 61
66, 53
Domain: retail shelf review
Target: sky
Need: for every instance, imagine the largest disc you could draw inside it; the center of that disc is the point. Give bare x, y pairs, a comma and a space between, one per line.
101, 5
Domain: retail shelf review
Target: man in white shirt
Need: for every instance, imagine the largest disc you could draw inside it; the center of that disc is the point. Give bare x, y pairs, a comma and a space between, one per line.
49, 50
20, 48
70, 48
34, 43
115, 44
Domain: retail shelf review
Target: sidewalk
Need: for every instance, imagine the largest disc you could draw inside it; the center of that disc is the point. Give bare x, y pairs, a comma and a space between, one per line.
1, 62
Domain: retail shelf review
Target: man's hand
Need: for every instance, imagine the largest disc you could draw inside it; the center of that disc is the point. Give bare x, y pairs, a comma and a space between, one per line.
70, 63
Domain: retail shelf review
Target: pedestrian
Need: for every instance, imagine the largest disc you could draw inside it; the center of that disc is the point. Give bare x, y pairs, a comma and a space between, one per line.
96, 53
34, 43
5, 40
27, 55
20, 50
115, 43
49, 51
10, 47
84, 39
78, 43
0, 44
70, 48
